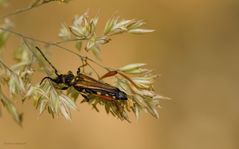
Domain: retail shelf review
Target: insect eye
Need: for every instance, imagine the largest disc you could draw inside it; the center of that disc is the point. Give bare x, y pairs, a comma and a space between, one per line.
69, 78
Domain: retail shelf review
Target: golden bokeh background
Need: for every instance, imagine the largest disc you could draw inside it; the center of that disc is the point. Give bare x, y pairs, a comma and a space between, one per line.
196, 51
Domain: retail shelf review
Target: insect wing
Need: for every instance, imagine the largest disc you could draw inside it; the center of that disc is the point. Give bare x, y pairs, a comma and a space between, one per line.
89, 85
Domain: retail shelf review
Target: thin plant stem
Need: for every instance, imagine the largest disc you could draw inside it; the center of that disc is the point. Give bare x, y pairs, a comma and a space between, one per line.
83, 58
20, 11
5, 66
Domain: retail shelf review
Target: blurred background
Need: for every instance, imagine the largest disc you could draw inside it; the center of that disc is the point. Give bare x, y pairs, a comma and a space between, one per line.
195, 49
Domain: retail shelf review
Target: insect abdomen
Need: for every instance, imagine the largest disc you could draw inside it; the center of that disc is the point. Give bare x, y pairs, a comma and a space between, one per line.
113, 95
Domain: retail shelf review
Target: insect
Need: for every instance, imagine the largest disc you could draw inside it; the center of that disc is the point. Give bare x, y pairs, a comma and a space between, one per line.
84, 84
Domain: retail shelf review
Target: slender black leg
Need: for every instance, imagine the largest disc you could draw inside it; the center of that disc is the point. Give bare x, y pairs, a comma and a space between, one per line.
85, 98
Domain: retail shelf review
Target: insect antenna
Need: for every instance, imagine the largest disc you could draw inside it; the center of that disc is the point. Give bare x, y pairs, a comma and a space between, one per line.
45, 79
56, 72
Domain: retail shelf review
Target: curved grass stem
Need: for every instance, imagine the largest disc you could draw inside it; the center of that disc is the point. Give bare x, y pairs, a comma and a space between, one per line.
56, 44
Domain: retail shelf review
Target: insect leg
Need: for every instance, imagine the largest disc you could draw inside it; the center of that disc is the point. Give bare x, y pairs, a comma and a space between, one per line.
85, 98
84, 63
109, 74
